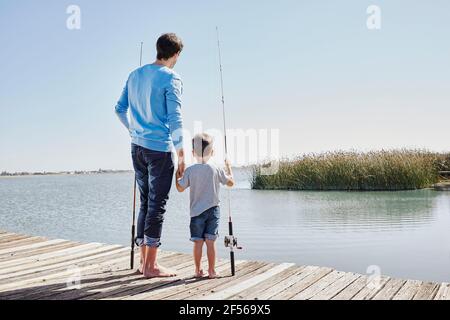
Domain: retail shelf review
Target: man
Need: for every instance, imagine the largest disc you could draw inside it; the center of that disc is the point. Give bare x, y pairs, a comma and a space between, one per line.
152, 95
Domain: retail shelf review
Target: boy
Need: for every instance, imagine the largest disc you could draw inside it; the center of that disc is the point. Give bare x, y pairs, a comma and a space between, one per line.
204, 179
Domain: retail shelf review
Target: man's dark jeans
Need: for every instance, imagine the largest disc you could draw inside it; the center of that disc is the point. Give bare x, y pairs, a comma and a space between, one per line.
154, 173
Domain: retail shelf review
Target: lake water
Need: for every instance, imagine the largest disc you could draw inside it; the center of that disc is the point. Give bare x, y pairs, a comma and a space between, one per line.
405, 234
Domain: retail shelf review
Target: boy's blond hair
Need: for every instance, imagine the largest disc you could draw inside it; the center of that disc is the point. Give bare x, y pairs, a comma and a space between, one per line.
202, 145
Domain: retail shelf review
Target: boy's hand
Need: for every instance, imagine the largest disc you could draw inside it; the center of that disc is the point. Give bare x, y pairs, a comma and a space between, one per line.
229, 172
227, 163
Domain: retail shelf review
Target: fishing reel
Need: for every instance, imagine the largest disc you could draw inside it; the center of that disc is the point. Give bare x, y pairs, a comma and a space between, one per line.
231, 242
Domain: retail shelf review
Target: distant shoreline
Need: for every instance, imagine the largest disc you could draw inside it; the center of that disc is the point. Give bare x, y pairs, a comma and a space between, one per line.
6, 174
60, 173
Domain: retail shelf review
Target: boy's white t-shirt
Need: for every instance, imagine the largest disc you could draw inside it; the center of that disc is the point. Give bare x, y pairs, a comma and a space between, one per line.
204, 182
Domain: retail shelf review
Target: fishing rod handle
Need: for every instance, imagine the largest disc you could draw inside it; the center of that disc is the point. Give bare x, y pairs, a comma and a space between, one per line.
233, 266
230, 228
132, 247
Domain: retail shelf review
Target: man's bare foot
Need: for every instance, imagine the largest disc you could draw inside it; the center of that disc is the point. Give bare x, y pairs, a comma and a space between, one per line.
141, 268
199, 274
213, 274
159, 272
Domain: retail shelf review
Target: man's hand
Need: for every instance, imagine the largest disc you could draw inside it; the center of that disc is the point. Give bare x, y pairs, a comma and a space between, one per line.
181, 163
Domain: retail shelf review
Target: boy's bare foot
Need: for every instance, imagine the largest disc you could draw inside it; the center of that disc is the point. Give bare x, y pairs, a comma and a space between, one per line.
159, 272
213, 274
199, 274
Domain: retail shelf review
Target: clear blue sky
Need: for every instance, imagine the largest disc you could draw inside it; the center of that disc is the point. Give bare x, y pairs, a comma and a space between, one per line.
309, 68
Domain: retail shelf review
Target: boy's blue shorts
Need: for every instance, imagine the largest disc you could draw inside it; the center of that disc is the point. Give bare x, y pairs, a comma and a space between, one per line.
206, 225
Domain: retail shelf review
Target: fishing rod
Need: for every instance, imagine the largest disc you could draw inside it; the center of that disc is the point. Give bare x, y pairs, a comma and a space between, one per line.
230, 240
133, 225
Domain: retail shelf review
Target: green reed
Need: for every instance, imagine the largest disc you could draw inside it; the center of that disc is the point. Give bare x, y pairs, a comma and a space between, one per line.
362, 171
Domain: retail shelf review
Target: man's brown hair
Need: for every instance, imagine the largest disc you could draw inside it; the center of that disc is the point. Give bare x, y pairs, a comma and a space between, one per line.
168, 45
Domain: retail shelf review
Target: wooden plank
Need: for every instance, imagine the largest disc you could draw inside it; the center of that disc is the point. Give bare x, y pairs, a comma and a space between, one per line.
182, 264
68, 260
390, 289
33, 252
169, 288
21, 241
89, 279
31, 246
426, 291
52, 257
243, 285
44, 256
100, 284
124, 256
408, 291
184, 284
334, 289
12, 237
58, 285
443, 292
40, 257
318, 286
255, 291
371, 288
283, 285
190, 285
62, 277
199, 289
353, 289
63, 266
302, 284
212, 287
5, 236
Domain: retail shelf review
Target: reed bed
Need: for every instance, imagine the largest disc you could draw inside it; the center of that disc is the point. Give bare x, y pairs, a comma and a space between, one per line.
355, 171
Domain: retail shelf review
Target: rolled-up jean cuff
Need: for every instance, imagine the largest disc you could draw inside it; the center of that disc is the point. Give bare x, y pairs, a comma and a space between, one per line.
139, 242
152, 242
211, 237
193, 239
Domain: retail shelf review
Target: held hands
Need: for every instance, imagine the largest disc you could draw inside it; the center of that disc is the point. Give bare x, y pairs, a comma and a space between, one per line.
178, 175
181, 164
180, 170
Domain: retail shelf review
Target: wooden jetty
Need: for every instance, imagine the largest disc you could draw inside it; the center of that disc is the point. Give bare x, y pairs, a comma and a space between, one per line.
37, 268
444, 174
442, 186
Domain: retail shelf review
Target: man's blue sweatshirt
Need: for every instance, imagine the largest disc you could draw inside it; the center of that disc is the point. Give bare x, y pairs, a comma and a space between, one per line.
152, 95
